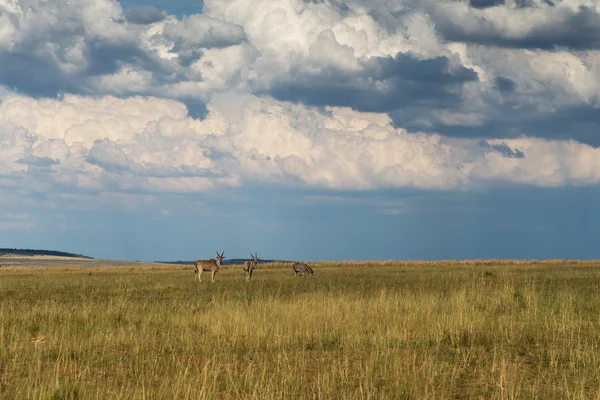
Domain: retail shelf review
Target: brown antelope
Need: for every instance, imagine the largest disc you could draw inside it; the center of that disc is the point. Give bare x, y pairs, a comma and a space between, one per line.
302, 268
250, 265
211, 265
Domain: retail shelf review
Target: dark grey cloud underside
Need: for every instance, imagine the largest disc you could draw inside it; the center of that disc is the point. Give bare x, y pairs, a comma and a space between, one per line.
436, 70
386, 84
33, 75
27, 69
144, 15
518, 3
580, 123
38, 161
485, 3
578, 30
106, 58
505, 84
502, 149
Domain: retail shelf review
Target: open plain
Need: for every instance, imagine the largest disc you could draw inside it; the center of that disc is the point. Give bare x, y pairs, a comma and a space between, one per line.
76, 328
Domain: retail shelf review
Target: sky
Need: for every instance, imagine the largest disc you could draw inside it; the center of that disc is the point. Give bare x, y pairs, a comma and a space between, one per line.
301, 129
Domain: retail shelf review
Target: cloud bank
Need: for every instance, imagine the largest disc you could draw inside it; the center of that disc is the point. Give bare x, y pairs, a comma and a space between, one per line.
312, 94
151, 145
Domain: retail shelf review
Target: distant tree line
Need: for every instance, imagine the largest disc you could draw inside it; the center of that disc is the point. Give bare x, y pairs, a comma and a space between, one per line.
33, 252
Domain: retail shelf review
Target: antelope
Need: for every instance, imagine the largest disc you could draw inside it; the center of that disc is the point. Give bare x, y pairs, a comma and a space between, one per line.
302, 268
211, 265
250, 265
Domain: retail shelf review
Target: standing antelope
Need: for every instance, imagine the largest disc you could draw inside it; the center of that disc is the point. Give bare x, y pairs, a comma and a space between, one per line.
250, 265
302, 268
211, 265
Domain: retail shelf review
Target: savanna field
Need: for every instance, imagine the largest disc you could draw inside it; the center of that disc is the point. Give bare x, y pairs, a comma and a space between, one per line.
492, 329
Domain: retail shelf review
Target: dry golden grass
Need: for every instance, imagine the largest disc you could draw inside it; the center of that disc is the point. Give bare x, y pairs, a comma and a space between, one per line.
393, 330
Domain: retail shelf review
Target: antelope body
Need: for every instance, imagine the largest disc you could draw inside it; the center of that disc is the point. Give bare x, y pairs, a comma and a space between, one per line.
250, 265
211, 265
302, 268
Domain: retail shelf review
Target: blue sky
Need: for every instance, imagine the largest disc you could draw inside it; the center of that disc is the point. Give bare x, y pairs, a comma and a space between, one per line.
315, 130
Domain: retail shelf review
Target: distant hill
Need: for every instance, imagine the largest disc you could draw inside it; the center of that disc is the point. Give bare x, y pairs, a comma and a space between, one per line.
233, 261
32, 252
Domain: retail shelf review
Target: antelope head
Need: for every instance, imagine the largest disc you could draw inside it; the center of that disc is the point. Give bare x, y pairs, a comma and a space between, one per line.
254, 258
220, 258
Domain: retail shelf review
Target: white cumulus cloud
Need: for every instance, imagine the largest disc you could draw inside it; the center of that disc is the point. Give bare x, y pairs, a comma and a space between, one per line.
150, 145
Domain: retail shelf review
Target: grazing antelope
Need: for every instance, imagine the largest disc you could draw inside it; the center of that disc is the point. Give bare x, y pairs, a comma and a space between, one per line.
211, 265
250, 265
302, 268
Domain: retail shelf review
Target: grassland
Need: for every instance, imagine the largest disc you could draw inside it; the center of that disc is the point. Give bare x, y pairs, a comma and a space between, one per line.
355, 331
